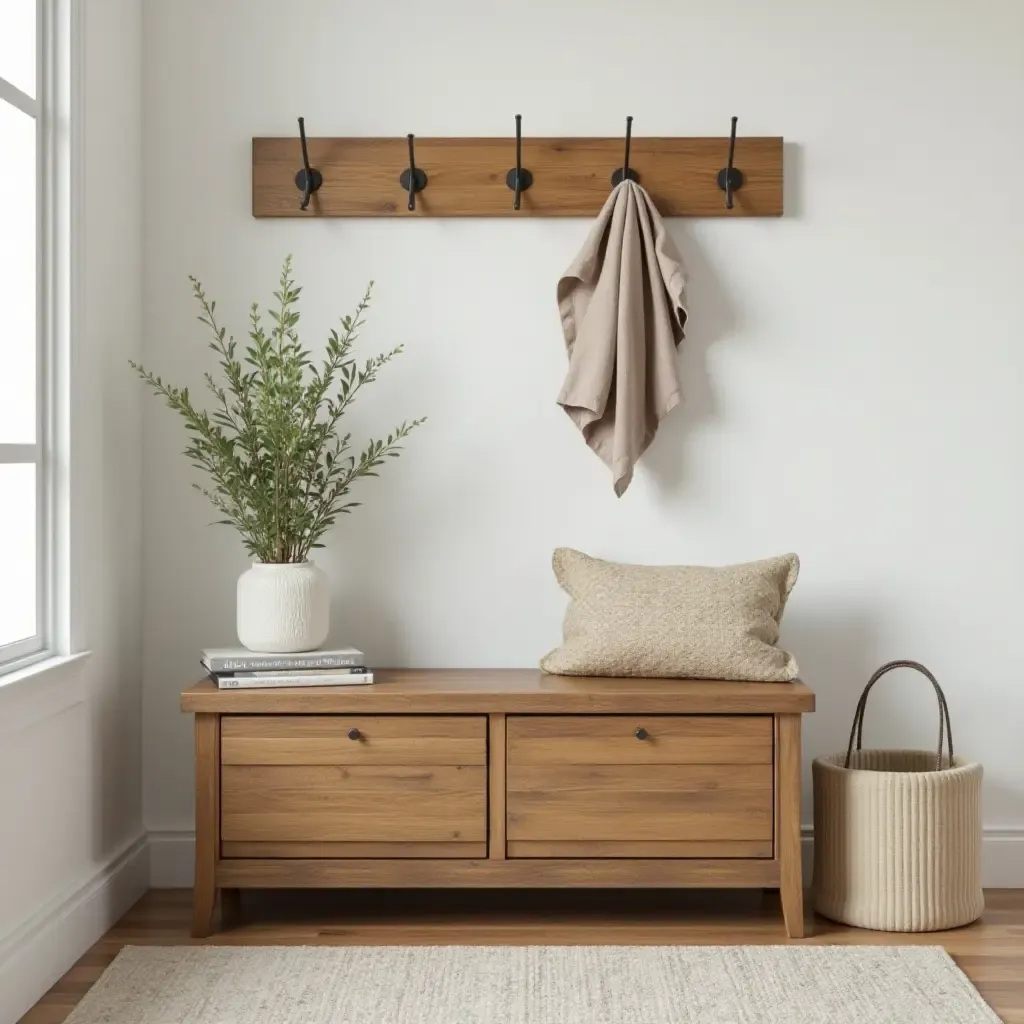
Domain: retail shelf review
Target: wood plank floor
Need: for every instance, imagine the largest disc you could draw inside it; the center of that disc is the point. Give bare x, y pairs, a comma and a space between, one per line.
991, 951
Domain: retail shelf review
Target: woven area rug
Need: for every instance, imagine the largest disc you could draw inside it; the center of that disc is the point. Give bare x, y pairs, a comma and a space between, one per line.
533, 985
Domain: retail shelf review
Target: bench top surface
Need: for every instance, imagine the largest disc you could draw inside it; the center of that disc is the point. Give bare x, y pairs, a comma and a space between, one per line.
514, 691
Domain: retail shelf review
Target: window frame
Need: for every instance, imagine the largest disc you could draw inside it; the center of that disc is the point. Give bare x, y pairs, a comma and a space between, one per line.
53, 74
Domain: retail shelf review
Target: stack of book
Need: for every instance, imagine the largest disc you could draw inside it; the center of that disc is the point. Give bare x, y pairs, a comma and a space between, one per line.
235, 668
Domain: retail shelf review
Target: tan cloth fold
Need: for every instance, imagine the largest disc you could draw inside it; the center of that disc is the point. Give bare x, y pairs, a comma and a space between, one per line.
623, 313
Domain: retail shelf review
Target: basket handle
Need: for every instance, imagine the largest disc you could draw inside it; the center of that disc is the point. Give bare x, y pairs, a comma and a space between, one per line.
944, 723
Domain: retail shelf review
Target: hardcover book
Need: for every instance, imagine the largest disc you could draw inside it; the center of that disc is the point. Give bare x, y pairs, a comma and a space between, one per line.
271, 680
226, 660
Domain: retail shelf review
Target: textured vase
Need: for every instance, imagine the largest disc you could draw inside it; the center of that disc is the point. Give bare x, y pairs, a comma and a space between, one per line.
283, 608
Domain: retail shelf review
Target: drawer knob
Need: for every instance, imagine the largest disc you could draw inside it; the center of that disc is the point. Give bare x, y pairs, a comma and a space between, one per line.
641, 733
354, 734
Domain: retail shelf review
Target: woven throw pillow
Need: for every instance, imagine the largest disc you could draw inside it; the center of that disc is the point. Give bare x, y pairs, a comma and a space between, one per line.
680, 621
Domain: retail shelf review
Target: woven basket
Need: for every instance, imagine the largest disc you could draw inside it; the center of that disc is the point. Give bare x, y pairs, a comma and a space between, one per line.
897, 833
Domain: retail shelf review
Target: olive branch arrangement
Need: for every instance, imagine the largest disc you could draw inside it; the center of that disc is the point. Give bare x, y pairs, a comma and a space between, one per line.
279, 467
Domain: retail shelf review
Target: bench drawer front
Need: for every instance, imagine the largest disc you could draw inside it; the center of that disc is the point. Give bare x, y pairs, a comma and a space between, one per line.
354, 740
645, 786
640, 803
327, 803
613, 739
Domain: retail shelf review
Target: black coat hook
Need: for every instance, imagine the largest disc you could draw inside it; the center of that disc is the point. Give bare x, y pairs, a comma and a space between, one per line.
730, 179
624, 172
518, 179
412, 178
307, 180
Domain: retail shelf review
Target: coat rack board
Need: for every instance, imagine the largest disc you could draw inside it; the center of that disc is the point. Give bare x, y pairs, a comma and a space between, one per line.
571, 177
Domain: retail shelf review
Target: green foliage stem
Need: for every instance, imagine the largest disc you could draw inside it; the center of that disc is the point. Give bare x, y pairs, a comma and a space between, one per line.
279, 467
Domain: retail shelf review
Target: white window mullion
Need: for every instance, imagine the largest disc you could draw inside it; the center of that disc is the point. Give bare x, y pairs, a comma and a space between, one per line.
13, 95
19, 453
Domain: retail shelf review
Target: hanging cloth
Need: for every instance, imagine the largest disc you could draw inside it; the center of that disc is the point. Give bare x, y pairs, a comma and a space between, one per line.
623, 312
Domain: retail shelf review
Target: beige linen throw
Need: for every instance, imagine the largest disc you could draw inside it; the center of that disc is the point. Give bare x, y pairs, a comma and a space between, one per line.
623, 313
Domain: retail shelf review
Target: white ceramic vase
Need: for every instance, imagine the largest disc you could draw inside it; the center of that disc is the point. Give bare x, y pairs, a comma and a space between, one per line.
283, 608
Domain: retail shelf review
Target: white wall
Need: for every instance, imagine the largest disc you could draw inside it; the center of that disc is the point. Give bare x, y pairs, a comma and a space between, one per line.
852, 374
70, 740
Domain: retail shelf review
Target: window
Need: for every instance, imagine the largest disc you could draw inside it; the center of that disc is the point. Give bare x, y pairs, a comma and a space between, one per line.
24, 271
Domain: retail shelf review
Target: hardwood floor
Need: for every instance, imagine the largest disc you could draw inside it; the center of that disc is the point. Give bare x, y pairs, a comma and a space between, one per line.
991, 951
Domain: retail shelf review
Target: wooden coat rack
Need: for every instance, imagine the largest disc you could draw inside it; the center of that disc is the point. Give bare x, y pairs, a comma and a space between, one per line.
463, 177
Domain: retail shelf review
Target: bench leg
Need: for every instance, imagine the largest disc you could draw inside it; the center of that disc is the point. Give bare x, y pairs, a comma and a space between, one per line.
204, 896
787, 802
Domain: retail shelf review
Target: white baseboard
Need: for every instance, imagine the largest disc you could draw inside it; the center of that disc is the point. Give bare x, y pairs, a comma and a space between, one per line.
1002, 858
43, 948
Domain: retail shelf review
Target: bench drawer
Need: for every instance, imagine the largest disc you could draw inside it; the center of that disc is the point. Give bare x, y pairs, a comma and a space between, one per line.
640, 739
594, 786
354, 740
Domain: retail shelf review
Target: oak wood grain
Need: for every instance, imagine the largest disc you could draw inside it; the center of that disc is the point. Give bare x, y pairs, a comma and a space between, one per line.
626, 848
309, 807
612, 739
380, 739
633, 803
466, 176
990, 951
506, 691
208, 820
787, 841
496, 791
269, 873
354, 803
347, 850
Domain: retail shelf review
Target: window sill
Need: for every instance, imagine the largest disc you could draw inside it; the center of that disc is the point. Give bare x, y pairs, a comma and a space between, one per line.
38, 691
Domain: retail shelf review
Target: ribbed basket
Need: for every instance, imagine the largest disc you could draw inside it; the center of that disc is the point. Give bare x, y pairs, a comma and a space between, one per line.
897, 833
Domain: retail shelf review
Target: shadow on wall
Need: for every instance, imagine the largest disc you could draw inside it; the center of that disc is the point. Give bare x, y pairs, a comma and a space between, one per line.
835, 649
902, 710
366, 614
711, 317
793, 179
838, 651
